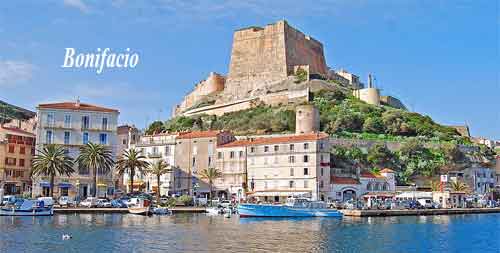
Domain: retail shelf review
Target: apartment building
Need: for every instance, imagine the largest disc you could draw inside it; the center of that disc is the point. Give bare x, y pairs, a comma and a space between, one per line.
195, 151
295, 165
72, 125
155, 147
17, 148
232, 163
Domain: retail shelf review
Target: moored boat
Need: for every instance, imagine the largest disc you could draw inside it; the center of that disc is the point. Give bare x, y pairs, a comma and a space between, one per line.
141, 207
26, 207
294, 207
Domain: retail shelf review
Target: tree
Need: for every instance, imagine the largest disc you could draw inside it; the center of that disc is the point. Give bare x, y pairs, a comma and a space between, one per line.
459, 186
97, 158
155, 127
52, 161
435, 185
379, 155
132, 161
301, 75
158, 169
210, 175
373, 125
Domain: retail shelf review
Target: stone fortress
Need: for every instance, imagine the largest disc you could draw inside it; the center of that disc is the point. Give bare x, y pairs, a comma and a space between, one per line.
263, 70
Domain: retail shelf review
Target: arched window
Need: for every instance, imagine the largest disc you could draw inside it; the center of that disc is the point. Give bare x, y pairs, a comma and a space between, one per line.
385, 187
377, 187
369, 187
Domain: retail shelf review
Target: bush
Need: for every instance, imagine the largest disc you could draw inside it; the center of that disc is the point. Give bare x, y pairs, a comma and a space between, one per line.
186, 200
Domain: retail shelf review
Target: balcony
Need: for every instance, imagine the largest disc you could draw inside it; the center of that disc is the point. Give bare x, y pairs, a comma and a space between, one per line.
154, 155
324, 163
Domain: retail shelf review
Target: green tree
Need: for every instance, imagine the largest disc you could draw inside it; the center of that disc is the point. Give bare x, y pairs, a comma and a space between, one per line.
459, 186
130, 162
98, 159
379, 155
155, 127
158, 168
52, 161
210, 174
435, 185
301, 75
373, 125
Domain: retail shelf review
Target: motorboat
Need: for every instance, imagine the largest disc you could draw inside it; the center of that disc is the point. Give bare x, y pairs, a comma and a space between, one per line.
161, 211
214, 210
141, 206
26, 207
294, 207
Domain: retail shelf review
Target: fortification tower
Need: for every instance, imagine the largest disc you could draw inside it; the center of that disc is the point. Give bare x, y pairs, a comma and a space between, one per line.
306, 119
266, 55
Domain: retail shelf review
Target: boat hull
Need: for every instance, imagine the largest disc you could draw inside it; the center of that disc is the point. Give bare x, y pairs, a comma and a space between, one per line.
33, 212
139, 210
253, 210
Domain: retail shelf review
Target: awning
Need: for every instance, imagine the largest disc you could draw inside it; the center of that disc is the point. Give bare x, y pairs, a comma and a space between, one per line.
102, 185
282, 194
44, 184
65, 185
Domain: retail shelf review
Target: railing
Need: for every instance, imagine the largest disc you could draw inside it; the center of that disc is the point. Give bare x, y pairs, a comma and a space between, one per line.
154, 155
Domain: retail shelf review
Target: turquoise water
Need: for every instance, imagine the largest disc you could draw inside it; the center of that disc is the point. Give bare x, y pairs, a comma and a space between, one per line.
201, 233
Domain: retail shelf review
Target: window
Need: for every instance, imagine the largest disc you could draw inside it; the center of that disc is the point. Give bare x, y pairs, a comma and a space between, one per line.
22, 150
290, 184
21, 162
66, 137
48, 137
321, 158
252, 149
306, 145
266, 148
305, 184
50, 119
306, 171
10, 161
167, 150
321, 171
291, 172
219, 155
11, 148
321, 145
291, 159
194, 161
209, 161
66, 151
104, 124
83, 171
231, 154
306, 158
241, 153
124, 142
321, 184
292, 147
210, 149
85, 139
85, 122
276, 148
155, 150
67, 121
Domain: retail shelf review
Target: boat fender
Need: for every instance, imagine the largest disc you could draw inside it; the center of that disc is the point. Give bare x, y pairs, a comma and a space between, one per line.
66, 237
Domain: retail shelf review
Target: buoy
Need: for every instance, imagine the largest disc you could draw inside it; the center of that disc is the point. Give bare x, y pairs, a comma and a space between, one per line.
66, 237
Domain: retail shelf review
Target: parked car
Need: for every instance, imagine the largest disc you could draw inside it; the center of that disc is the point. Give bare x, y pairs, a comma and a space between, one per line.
225, 203
66, 201
89, 202
426, 203
335, 204
103, 203
47, 201
118, 203
8, 199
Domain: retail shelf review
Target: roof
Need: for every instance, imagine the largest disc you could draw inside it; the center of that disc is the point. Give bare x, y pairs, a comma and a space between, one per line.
369, 174
198, 134
76, 106
386, 170
275, 140
17, 130
343, 180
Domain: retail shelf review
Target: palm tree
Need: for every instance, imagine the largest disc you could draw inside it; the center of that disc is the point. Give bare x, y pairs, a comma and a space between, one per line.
131, 161
210, 174
97, 158
50, 161
435, 185
158, 169
459, 186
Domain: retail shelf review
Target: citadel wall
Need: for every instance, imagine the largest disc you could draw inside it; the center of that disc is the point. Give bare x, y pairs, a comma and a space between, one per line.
214, 83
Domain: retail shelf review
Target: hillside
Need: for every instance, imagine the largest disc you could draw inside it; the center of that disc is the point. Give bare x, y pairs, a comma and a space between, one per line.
9, 112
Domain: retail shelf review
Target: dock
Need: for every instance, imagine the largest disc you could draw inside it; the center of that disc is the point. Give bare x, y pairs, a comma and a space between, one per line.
122, 210
416, 212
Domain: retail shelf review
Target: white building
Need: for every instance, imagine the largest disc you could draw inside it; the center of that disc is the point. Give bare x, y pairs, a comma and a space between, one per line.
232, 163
345, 188
74, 124
479, 179
155, 147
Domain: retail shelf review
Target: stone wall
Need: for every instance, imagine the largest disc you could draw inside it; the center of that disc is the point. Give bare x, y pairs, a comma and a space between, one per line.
213, 84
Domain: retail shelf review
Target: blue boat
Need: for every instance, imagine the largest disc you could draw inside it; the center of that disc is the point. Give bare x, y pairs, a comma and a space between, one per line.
294, 207
26, 207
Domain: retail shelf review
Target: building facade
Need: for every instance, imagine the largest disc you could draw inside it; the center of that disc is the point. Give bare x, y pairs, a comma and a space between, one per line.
346, 187
17, 148
72, 125
232, 163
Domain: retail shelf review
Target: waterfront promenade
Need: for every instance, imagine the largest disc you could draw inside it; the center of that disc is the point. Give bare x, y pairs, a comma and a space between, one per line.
122, 210
415, 212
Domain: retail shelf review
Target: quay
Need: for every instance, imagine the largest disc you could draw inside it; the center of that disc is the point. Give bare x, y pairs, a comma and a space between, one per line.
123, 210
416, 212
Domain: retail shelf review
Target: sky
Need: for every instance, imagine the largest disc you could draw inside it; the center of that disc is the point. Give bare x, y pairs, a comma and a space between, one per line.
440, 57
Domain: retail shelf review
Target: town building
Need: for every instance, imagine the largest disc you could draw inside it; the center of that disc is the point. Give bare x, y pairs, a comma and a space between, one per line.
450, 199
345, 186
232, 163
194, 152
481, 180
17, 148
155, 147
128, 136
72, 125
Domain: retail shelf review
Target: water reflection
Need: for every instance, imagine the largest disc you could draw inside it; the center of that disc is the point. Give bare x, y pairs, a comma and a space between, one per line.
201, 233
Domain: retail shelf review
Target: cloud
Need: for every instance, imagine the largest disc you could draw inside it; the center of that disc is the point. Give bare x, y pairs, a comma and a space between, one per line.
12, 72
79, 4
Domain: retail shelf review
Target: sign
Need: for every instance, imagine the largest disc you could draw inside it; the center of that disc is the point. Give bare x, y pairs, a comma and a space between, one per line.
444, 178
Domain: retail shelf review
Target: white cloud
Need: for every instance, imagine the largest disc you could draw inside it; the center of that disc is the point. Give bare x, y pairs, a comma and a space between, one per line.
12, 72
79, 4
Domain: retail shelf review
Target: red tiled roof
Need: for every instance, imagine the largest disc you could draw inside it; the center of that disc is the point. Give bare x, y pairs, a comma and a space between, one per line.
17, 130
76, 107
281, 139
343, 180
198, 134
386, 170
369, 174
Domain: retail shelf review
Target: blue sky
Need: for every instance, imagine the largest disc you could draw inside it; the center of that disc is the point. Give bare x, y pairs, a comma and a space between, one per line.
441, 58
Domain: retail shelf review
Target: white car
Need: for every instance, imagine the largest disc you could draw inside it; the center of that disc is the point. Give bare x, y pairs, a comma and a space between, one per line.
103, 203
89, 202
8, 199
47, 201
66, 201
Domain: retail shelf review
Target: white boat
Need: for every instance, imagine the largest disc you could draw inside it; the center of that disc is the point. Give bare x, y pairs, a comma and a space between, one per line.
25, 207
141, 207
214, 211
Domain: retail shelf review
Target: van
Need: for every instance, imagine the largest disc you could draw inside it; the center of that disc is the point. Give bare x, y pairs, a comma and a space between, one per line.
8, 199
425, 202
47, 201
